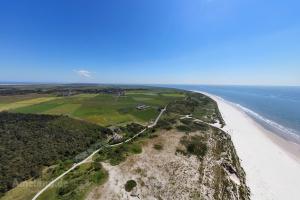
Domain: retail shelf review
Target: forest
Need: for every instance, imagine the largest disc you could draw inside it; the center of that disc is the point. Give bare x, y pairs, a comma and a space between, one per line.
29, 142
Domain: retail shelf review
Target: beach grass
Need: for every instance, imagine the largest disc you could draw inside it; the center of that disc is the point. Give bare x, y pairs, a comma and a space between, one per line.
76, 184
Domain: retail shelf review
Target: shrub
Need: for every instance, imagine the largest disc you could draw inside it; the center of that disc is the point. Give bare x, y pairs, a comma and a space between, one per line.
164, 124
186, 121
130, 185
200, 126
118, 154
158, 146
99, 176
135, 148
183, 128
153, 136
97, 166
65, 189
195, 146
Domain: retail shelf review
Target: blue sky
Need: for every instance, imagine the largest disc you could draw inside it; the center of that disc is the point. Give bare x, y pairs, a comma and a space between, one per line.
248, 42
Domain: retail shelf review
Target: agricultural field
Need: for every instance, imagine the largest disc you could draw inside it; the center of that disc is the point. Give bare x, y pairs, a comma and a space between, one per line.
18, 101
102, 109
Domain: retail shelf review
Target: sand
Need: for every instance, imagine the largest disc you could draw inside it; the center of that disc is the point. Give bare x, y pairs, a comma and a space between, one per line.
271, 163
160, 174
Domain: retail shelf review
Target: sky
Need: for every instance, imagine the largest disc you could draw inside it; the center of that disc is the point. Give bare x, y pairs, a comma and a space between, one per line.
235, 42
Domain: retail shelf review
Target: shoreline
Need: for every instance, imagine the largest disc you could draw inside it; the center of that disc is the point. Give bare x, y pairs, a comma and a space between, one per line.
291, 147
271, 163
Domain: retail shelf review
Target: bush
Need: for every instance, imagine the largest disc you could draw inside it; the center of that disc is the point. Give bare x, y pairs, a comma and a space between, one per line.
158, 146
97, 166
135, 148
186, 121
118, 154
195, 146
200, 126
65, 189
183, 128
99, 176
164, 124
130, 185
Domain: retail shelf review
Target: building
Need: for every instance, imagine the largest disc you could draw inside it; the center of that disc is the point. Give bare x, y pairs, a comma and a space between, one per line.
142, 107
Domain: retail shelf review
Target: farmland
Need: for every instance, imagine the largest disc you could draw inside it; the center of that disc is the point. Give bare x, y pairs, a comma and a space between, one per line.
18, 101
102, 109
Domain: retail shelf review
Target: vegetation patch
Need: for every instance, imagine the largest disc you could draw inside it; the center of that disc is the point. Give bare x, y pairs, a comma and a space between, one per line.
194, 145
164, 124
194, 125
199, 105
183, 128
130, 130
130, 185
76, 184
116, 155
158, 147
24, 103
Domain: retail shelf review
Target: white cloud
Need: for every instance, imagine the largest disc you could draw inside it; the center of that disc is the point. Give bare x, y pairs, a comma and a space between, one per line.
83, 73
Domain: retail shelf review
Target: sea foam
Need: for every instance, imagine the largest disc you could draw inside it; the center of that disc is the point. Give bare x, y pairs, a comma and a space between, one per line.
278, 128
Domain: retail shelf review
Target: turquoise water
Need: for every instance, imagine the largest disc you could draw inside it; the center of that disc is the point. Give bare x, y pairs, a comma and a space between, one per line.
276, 108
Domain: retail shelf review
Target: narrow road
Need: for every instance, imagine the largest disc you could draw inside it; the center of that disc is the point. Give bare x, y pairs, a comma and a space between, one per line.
90, 156
158, 117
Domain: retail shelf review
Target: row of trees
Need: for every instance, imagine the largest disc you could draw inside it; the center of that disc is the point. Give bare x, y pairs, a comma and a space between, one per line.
59, 90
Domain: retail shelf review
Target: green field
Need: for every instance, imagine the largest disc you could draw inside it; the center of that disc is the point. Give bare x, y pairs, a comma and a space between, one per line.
19, 101
103, 109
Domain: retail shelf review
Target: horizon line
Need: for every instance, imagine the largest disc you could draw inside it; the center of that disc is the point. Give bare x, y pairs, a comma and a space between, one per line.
8, 83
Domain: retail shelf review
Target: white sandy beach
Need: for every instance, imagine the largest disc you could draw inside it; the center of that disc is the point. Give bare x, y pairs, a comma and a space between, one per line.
272, 172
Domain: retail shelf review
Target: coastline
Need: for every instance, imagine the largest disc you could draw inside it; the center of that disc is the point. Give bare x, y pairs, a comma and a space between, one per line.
271, 163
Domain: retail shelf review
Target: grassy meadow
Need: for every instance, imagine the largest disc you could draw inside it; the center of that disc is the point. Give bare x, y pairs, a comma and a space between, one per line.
102, 109
19, 101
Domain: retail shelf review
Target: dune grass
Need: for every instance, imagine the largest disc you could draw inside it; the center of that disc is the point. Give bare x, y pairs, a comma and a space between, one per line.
24, 191
27, 189
76, 184
118, 154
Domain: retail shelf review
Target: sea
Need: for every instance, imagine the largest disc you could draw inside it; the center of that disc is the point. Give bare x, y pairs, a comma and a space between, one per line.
276, 108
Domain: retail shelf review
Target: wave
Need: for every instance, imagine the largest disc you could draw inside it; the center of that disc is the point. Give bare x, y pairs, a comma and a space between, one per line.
278, 128
283, 131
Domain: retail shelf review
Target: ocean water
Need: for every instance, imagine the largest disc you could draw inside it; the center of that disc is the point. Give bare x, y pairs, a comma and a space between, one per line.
276, 108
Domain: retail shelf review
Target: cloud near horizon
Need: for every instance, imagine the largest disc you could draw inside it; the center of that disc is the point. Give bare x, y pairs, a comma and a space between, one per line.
83, 73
